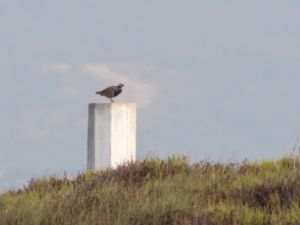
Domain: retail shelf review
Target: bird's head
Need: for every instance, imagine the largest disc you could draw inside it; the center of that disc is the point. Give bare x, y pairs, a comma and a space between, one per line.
120, 85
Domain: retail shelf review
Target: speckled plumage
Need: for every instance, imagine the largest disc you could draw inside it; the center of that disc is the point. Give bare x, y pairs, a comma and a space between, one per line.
111, 91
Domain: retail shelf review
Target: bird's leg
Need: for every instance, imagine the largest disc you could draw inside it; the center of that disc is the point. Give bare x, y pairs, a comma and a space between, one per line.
111, 100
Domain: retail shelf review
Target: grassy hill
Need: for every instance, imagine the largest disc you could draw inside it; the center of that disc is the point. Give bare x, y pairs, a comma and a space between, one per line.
162, 192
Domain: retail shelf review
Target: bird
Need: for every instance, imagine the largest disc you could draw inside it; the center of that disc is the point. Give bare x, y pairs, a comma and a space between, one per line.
111, 91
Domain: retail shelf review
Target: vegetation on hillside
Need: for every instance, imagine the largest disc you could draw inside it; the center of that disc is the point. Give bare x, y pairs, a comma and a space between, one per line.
154, 192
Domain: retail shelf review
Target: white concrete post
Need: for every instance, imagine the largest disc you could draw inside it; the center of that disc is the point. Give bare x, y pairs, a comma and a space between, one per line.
111, 134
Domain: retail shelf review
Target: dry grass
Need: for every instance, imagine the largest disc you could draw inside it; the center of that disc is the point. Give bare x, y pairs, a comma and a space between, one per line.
153, 192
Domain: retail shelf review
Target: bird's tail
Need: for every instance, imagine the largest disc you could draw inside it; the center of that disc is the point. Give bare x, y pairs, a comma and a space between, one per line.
99, 93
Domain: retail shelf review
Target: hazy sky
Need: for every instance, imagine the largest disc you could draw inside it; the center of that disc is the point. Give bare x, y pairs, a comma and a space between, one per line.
214, 80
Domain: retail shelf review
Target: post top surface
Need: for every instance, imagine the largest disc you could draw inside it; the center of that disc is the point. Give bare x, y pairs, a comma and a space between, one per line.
115, 103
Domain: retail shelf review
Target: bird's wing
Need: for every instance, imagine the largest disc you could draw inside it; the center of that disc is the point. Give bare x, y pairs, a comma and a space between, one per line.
109, 91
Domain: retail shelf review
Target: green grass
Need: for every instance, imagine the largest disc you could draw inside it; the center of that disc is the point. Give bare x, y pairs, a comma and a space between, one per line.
154, 192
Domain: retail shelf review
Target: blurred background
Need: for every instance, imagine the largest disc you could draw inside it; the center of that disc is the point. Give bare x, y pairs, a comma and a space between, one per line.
215, 80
